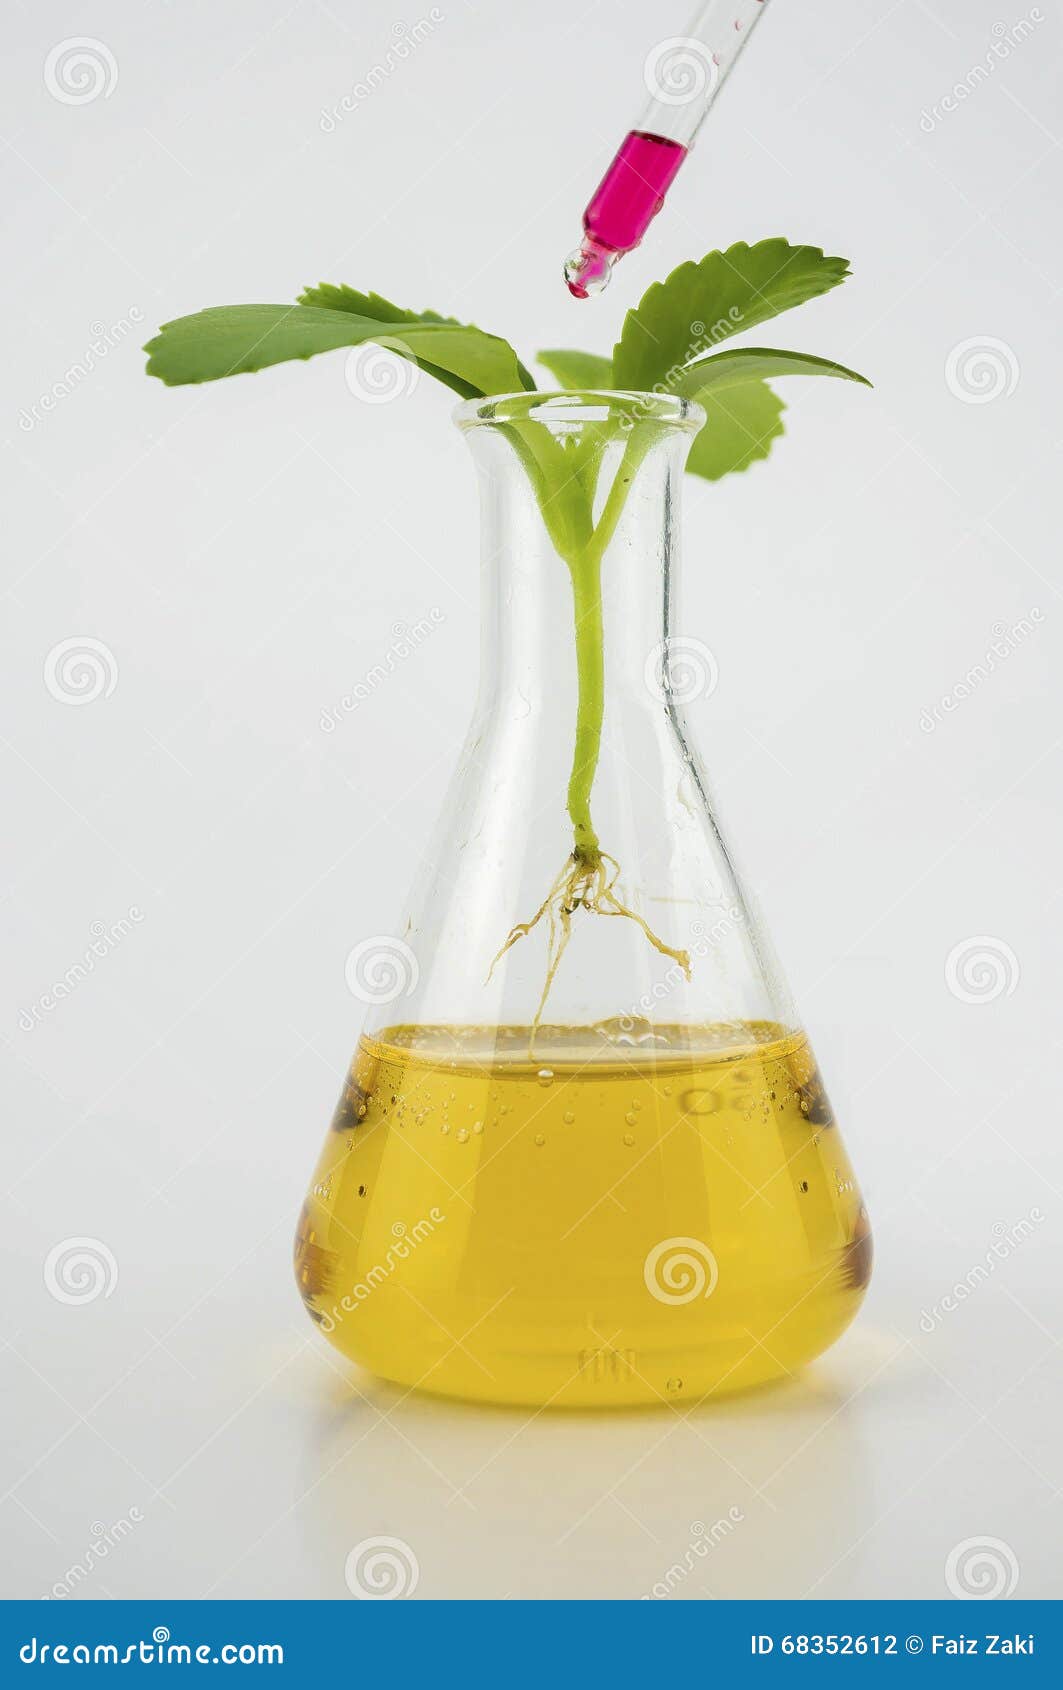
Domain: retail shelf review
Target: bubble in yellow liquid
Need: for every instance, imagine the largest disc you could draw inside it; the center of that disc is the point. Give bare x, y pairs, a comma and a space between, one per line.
558, 1255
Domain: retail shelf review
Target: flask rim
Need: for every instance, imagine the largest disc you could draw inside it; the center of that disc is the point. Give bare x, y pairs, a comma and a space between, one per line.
626, 407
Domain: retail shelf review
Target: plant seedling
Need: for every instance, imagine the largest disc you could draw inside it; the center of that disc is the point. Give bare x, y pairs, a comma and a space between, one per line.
668, 345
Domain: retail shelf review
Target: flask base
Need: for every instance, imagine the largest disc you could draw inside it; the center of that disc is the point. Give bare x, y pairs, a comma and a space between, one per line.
612, 1225
603, 1375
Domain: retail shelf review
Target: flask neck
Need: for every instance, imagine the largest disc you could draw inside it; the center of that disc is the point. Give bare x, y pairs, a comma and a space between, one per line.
579, 552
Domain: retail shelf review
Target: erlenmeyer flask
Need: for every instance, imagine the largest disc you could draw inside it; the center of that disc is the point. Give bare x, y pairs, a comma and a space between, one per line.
599, 1167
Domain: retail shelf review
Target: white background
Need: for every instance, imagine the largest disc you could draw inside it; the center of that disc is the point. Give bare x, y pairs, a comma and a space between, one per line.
245, 552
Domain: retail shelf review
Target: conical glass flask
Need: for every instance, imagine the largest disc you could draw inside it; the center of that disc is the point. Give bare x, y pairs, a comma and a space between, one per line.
584, 1156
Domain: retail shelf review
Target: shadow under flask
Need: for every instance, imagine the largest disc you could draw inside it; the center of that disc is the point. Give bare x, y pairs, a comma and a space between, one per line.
583, 1156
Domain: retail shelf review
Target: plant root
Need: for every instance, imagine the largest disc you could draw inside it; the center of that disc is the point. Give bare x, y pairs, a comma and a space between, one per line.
586, 882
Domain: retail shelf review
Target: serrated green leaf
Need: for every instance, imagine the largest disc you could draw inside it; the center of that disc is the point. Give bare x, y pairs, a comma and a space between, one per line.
235, 339
755, 363
741, 424
344, 298
578, 372
333, 297
726, 293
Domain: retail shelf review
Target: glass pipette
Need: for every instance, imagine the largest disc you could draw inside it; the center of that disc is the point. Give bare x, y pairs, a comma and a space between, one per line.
683, 75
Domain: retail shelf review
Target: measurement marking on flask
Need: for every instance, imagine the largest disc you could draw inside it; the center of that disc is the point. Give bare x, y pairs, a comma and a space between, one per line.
604, 1365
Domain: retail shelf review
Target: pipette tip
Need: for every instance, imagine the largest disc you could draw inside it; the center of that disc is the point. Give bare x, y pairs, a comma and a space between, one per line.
588, 270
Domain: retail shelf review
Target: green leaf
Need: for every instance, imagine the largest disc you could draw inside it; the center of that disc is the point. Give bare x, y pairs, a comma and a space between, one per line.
578, 371
344, 298
741, 424
698, 305
233, 339
755, 363
743, 412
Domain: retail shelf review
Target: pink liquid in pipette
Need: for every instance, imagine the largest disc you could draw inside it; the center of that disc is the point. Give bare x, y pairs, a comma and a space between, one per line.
626, 201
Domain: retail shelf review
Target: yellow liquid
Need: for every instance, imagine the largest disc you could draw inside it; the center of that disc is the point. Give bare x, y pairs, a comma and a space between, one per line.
640, 1226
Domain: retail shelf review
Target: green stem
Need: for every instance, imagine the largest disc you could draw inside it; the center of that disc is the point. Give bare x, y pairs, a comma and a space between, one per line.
586, 572
564, 491
585, 567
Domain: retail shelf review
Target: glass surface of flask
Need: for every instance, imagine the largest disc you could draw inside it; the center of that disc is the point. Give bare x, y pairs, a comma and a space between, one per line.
583, 1156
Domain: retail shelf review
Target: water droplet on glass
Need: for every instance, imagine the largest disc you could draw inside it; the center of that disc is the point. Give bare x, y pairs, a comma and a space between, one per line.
569, 1117
477, 1126
463, 1135
540, 1138
545, 1076
629, 1138
631, 1117
675, 1385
